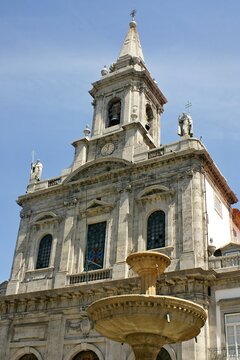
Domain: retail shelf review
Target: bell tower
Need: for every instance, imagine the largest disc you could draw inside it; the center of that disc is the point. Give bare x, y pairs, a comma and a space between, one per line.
127, 107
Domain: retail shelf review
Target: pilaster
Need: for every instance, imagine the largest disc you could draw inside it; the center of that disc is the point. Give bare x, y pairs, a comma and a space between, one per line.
186, 238
120, 268
4, 334
55, 334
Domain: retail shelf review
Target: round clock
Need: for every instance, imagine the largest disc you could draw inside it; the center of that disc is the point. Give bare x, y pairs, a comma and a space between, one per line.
107, 149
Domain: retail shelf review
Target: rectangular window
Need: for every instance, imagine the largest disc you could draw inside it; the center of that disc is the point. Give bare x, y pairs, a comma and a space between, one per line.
232, 330
218, 205
94, 256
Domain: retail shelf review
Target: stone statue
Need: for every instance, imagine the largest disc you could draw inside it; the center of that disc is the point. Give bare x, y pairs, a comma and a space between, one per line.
36, 170
185, 125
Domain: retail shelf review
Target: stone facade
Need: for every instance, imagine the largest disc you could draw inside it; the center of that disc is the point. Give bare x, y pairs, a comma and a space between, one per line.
120, 176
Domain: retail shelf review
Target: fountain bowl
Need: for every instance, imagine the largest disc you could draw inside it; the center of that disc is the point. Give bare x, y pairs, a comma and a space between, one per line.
147, 321
171, 319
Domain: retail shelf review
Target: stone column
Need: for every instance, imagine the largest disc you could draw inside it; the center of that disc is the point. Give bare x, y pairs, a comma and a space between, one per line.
4, 334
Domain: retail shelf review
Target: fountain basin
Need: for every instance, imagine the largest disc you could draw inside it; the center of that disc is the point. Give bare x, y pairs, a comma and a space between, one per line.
148, 261
164, 318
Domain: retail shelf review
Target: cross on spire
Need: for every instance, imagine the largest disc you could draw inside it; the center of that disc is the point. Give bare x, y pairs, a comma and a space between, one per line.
188, 106
133, 13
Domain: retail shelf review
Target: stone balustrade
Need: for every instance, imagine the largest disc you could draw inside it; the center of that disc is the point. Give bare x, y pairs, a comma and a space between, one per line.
227, 261
90, 276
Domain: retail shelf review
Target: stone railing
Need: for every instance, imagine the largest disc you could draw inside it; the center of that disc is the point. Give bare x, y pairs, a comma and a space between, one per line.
224, 353
53, 182
89, 276
184, 144
227, 261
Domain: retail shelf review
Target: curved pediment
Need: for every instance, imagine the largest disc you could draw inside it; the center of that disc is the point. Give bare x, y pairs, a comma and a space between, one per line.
96, 207
154, 192
97, 168
44, 216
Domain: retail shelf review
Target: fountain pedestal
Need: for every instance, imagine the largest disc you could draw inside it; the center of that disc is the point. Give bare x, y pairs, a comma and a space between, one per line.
147, 321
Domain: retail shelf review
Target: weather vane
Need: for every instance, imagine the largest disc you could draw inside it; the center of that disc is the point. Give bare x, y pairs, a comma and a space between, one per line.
188, 106
133, 13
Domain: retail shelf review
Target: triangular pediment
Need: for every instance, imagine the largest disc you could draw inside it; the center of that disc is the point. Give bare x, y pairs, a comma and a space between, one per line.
230, 247
97, 168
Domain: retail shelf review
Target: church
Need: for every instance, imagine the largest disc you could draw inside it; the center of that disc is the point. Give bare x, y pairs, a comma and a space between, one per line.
124, 192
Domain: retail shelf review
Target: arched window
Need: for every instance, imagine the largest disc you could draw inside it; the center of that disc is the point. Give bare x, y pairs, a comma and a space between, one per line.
114, 112
163, 355
28, 357
94, 256
44, 252
156, 230
86, 355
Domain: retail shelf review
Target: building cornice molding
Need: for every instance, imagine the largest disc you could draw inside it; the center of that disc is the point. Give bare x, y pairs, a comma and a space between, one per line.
193, 150
130, 72
59, 300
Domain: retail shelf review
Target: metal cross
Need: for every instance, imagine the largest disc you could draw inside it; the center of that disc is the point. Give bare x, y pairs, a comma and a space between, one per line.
133, 13
188, 106
33, 156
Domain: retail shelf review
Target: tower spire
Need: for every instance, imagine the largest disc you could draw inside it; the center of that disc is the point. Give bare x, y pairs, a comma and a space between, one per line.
132, 45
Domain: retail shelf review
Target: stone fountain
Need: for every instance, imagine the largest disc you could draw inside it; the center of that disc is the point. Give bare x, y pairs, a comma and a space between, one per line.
147, 321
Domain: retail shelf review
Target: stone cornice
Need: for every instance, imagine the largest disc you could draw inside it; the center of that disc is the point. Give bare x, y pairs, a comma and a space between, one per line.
174, 277
218, 179
134, 75
193, 150
208, 277
63, 299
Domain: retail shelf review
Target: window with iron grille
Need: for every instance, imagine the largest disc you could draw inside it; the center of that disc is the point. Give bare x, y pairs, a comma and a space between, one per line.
95, 246
232, 330
156, 230
44, 252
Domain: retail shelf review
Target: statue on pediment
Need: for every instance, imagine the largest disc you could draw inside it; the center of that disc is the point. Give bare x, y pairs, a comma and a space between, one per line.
36, 171
185, 125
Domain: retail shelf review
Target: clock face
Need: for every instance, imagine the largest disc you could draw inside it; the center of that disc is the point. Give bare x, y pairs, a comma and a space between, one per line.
107, 149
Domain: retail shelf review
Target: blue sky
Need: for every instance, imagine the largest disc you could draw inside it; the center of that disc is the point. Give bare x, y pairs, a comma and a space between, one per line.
52, 50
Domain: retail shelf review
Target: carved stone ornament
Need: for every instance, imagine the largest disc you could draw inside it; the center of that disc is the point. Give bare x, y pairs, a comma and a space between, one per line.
86, 326
25, 214
70, 202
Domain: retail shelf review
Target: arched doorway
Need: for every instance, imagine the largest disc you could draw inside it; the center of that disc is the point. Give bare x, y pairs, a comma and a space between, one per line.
28, 357
86, 355
163, 355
